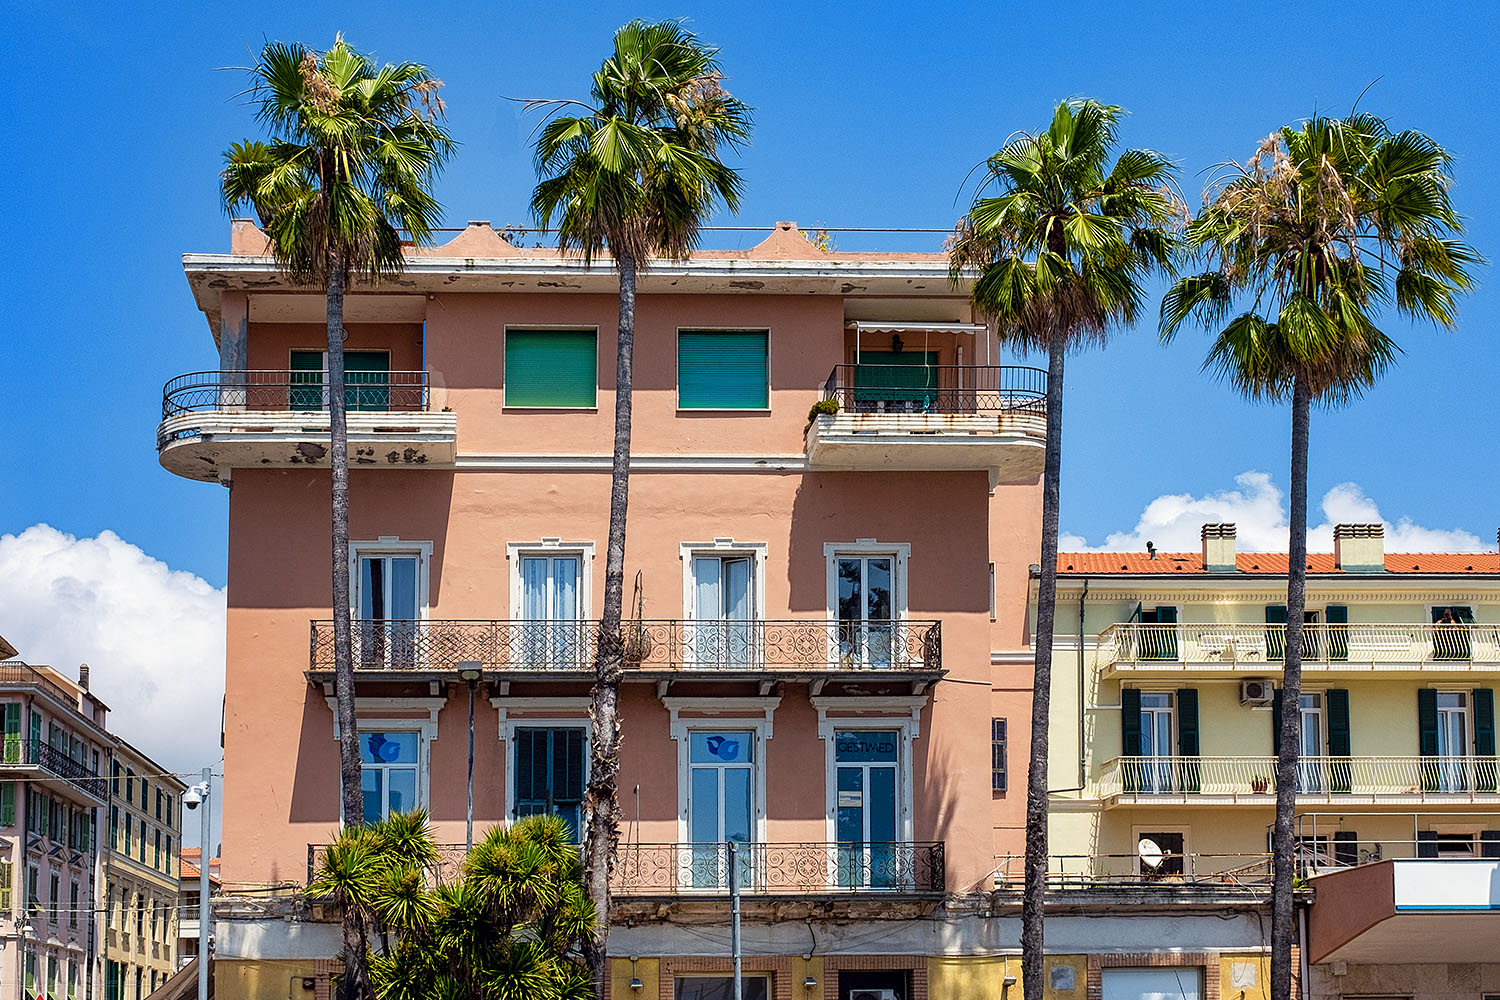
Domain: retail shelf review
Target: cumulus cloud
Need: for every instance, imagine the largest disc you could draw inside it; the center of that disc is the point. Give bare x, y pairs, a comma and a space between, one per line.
152, 636
1257, 506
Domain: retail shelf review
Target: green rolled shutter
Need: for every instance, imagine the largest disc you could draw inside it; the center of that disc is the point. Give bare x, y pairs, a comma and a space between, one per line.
722, 371
1427, 729
1189, 778
367, 380
1275, 631
1337, 616
1484, 739
307, 370
551, 368
13, 732
1337, 700
7, 804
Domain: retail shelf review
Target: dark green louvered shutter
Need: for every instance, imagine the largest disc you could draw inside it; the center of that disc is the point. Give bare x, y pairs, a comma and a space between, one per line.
1167, 615
1489, 843
1427, 729
1337, 701
551, 368
1337, 617
1427, 844
531, 772
1130, 730
567, 765
1275, 722
12, 732
1275, 631
7, 804
1346, 847
1187, 738
722, 371
1484, 739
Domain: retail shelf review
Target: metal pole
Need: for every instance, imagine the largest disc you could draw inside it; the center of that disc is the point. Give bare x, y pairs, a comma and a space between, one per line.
205, 915
734, 917
469, 816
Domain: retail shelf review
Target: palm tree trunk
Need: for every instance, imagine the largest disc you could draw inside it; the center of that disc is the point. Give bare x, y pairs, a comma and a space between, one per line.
1032, 899
352, 810
1289, 745
601, 807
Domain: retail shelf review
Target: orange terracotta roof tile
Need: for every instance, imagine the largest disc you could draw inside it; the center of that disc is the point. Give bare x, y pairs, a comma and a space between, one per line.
1166, 563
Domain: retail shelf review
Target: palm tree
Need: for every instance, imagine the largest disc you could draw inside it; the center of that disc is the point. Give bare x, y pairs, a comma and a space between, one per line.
637, 173
1062, 246
354, 149
1323, 226
509, 923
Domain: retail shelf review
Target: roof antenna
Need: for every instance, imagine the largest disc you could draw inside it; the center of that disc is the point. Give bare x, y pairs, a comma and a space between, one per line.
1150, 550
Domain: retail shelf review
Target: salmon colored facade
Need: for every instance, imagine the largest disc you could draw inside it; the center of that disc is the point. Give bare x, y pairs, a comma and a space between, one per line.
829, 609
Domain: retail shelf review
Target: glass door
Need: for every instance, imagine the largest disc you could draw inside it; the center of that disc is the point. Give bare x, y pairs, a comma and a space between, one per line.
722, 634
866, 608
1158, 741
1310, 776
388, 612
1453, 741
551, 633
721, 805
867, 808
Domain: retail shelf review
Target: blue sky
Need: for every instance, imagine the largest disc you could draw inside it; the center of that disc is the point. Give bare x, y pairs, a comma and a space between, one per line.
867, 115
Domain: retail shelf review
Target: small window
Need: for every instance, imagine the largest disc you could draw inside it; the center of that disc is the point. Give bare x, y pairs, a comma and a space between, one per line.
998, 754
722, 370
388, 773
552, 368
721, 988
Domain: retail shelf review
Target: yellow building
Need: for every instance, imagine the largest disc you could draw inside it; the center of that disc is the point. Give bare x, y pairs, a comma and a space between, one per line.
139, 876
1166, 697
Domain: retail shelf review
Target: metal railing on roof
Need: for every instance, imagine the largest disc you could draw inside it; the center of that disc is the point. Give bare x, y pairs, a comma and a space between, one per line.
15, 672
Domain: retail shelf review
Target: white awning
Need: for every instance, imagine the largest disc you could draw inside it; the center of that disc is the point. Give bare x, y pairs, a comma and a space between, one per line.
873, 326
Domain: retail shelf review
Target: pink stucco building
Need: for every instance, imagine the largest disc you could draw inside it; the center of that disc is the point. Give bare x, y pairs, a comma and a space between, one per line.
828, 647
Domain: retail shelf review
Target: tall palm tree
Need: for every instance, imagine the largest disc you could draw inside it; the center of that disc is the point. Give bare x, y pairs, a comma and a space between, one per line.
636, 173
1062, 242
354, 148
1327, 223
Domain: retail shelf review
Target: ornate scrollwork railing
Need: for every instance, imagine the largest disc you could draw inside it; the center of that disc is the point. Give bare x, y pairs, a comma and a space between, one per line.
781, 869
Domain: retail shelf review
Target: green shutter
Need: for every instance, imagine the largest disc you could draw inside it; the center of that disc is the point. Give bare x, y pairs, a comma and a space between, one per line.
1130, 727
558, 368
307, 370
1276, 721
904, 381
1337, 702
1167, 615
722, 371
1337, 617
1187, 739
1489, 843
531, 772
12, 732
367, 380
1484, 739
1427, 726
1275, 631
567, 764
7, 804
1427, 843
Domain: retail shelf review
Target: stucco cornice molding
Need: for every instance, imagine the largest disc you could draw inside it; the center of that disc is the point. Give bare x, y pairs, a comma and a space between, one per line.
374, 712
907, 709
712, 711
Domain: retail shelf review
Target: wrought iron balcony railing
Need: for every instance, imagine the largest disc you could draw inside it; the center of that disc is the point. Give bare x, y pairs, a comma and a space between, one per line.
439, 646
1424, 778
781, 869
281, 391
944, 389
39, 753
1251, 647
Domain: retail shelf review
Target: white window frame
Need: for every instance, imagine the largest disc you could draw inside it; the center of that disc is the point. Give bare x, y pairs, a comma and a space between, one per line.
861, 548
552, 548
368, 718
730, 714
908, 727
391, 545
723, 547
553, 713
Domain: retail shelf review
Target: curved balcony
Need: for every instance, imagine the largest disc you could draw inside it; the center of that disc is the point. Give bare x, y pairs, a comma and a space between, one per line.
934, 417
213, 422
657, 649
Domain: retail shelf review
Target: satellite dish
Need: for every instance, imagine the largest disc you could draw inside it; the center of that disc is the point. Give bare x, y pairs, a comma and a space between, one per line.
1150, 853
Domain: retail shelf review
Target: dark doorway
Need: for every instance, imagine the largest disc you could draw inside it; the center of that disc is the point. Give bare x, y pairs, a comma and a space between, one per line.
875, 984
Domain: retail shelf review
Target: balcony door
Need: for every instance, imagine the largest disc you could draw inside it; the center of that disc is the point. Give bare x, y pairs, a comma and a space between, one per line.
367, 380
896, 381
387, 606
721, 804
1450, 633
867, 810
552, 631
723, 609
1453, 741
866, 607
1310, 771
1158, 741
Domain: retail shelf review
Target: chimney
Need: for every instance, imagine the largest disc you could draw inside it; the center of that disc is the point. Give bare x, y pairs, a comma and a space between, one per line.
1359, 548
83, 676
1218, 548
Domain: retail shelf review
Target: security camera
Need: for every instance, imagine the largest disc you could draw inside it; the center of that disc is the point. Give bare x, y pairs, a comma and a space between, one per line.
192, 797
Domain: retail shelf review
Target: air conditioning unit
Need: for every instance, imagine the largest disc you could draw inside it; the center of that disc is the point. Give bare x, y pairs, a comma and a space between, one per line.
1257, 692
872, 995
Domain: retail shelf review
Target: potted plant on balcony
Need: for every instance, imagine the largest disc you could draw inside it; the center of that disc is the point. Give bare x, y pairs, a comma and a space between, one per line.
1259, 784
637, 640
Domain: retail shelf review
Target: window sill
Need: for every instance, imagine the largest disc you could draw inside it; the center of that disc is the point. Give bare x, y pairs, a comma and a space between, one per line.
512, 407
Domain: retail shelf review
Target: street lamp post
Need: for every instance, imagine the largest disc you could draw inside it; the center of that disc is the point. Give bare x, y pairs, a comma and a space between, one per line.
469, 670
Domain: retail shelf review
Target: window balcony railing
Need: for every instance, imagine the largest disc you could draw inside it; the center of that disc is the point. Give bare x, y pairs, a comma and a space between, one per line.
1326, 646
1175, 872
730, 647
281, 391
781, 869
1254, 778
943, 389
39, 753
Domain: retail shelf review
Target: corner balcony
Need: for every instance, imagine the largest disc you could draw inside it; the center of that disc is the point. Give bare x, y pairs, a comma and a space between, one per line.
1249, 650
1200, 781
813, 650
29, 755
214, 422
937, 417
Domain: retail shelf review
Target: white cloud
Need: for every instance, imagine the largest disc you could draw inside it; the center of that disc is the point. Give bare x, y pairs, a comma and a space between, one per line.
153, 637
1257, 506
